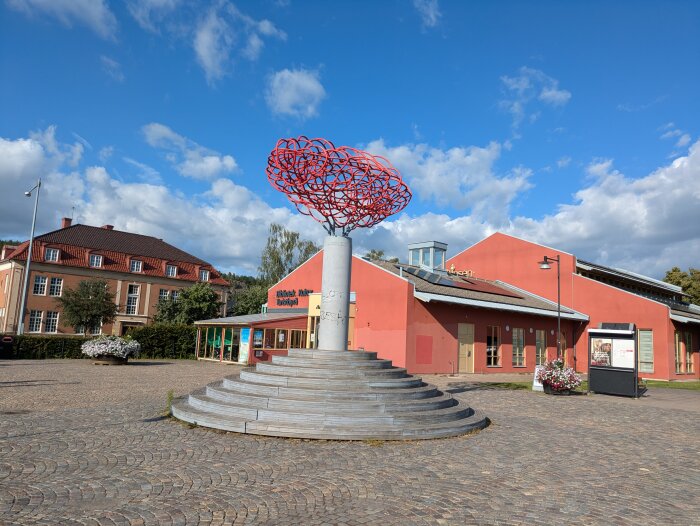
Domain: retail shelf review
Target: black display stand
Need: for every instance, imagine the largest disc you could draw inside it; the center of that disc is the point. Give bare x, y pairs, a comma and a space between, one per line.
612, 360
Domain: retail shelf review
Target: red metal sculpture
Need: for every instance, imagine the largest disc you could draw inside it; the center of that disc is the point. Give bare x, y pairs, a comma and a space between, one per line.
342, 188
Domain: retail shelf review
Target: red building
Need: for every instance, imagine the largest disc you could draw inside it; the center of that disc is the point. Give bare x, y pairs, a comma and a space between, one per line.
488, 309
139, 270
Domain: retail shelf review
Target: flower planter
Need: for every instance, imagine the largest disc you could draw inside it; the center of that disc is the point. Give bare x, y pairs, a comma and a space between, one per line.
548, 390
108, 359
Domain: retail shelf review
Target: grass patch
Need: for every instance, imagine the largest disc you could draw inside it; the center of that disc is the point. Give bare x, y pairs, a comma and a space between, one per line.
513, 386
692, 385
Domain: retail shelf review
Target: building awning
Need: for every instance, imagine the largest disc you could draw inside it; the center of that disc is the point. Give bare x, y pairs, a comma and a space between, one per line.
565, 312
250, 319
675, 316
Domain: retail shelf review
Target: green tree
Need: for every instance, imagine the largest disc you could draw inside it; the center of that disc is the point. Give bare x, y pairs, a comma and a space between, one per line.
248, 300
88, 305
688, 281
198, 302
284, 252
379, 255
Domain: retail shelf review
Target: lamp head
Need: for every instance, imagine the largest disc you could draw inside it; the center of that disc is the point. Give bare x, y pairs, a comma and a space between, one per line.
28, 194
544, 264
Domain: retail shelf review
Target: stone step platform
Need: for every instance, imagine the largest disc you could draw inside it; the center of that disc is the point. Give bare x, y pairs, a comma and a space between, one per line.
343, 395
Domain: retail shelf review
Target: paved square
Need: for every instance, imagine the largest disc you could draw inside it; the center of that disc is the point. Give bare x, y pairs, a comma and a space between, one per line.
85, 444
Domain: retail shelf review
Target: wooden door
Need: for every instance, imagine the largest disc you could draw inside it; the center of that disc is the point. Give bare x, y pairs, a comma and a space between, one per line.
465, 339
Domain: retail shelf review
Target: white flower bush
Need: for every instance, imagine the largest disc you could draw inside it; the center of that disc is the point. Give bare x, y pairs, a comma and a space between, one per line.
558, 377
111, 346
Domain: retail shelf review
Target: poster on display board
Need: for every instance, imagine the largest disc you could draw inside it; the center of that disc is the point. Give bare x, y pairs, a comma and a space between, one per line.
623, 353
244, 348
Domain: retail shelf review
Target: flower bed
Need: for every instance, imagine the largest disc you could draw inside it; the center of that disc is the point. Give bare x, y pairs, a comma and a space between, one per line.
111, 346
558, 377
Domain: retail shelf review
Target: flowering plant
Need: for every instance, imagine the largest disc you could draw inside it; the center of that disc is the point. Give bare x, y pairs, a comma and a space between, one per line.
111, 346
558, 377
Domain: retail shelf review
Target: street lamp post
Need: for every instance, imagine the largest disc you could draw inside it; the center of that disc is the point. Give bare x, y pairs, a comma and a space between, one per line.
23, 305
545, 265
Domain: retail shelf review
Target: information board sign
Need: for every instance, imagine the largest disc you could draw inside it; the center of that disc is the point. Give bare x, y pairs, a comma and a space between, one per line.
623, 353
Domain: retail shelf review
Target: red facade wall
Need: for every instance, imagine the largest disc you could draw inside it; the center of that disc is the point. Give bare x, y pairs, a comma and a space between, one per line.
515, 261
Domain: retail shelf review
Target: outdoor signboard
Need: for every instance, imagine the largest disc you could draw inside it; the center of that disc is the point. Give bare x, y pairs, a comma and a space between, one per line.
612, 359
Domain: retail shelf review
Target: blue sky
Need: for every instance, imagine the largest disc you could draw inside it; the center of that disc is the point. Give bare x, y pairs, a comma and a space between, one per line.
572, 124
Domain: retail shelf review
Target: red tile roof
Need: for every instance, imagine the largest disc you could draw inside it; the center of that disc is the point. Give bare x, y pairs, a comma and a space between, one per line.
117, 248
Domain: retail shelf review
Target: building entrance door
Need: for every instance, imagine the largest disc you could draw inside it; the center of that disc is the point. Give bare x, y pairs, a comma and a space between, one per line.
465, 339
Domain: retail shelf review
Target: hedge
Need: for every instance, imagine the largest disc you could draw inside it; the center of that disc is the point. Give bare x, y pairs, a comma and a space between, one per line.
166, 341
157, 342
31, 347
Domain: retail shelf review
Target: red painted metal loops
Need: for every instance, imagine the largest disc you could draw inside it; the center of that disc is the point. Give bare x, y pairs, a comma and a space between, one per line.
343, 188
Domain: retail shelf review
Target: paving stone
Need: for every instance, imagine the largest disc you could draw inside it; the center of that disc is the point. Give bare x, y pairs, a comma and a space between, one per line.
87, 445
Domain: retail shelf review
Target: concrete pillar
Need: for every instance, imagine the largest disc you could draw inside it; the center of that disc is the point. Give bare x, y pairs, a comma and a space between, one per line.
335, 294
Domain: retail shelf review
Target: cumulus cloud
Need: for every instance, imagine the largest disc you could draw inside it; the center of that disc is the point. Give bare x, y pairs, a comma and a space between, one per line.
189, 158
94, 14
648, 224
429, 11
530, 85
297, 93
239, 217
461, 178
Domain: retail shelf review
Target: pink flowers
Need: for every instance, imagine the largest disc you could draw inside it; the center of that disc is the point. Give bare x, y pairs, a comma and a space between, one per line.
558, 377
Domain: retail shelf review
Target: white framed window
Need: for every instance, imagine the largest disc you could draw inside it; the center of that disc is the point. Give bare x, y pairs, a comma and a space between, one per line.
39, 288
51, 324
164, 294
175, 294
95, 260
136, 265
203, 275
51, 254
171, 271
518, 347
540, 347
132, 299
35, 317
56, 287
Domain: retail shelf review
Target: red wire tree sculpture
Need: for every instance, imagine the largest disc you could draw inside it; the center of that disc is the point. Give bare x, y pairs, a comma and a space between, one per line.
342, 188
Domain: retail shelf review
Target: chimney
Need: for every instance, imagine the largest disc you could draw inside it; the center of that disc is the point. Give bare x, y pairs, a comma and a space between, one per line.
108, 227
65, 222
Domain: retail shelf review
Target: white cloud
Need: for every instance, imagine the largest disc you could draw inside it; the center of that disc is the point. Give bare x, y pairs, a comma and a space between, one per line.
671, 131
150, 13
683, 140
462, 178
429, 11
297, 93
646, 225
563, 162
218, 32
112, 68
530, 85
189, 158
95, 14
212, 44
146, 173
105, 153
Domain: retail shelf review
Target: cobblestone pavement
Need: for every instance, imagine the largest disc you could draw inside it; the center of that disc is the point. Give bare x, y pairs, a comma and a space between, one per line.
84, 444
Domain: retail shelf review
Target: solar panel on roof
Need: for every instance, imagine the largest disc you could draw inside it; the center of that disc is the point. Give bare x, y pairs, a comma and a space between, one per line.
462, 283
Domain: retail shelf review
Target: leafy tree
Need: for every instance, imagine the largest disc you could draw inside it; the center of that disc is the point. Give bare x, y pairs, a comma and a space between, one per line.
688, 281
379, 255
4, 242
90, 304
248, 300
198, 302
284, 252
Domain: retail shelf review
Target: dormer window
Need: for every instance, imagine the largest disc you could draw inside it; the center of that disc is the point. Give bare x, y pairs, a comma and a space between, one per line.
136, 265
203, 275
95, 260
171, 271
51, 254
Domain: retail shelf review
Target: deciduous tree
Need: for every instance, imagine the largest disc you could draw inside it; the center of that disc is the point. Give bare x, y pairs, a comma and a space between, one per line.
284, 251
688, 281
198, 302
88, 305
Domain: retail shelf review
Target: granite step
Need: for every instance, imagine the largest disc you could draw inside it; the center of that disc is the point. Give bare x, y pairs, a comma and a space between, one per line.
333, 355
340, 383
315, 371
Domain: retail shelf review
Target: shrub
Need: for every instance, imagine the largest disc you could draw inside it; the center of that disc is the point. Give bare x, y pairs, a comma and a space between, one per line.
166, 341
31, 347
558, 377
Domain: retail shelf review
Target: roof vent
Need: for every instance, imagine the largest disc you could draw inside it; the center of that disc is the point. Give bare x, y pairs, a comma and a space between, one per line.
108, 227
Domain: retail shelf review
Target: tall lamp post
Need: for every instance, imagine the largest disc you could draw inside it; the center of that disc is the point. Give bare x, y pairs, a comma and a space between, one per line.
545, 265
23, 305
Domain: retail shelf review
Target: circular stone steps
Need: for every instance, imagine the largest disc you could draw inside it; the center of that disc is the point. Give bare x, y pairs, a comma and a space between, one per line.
341, 395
